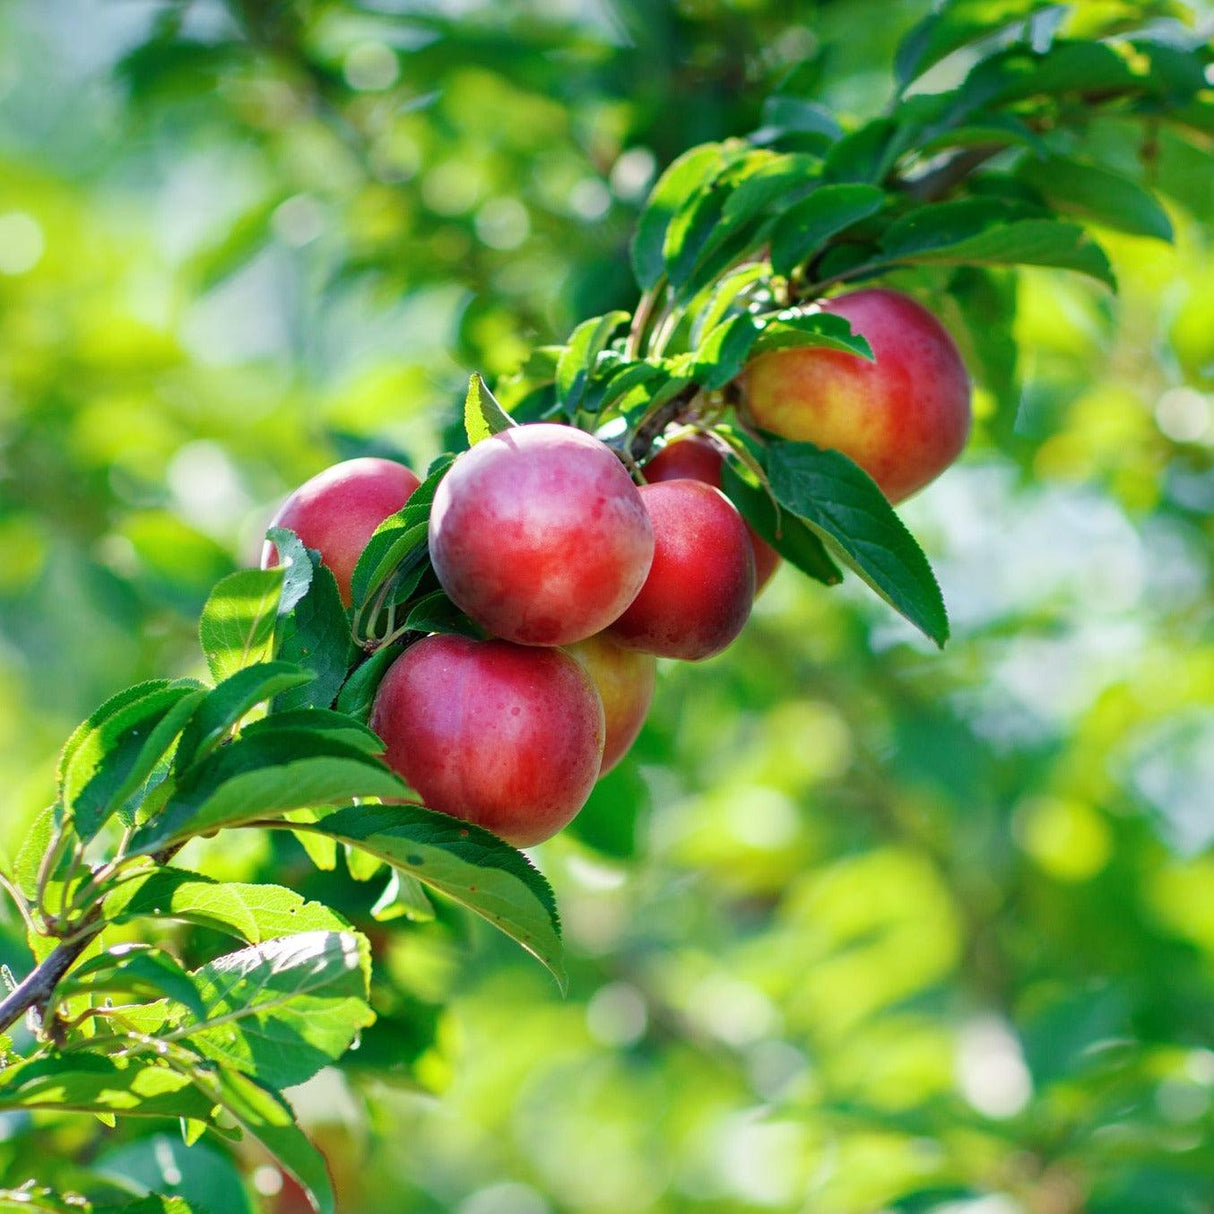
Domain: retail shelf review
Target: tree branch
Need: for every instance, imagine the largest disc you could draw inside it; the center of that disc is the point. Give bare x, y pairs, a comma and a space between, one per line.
36, 987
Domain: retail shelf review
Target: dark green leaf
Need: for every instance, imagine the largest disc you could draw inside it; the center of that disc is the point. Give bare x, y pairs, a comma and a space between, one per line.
578, 359
263, 775
316, 636
866, 155
358, 695
808, 225
237, 625
462, 861
979, 232
671, 192
228, 703
784, 531
483, 416
841, 503
339, 726
1098, 194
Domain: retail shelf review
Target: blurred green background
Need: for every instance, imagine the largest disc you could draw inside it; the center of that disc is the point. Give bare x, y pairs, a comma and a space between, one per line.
861, 926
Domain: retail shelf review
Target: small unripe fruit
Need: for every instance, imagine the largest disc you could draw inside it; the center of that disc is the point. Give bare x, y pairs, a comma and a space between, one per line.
903, 418
337, 511
539, 534
697, 458
624, 680
507, 737
697, 596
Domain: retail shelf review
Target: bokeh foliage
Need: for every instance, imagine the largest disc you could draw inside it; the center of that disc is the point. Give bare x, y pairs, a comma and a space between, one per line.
860, 926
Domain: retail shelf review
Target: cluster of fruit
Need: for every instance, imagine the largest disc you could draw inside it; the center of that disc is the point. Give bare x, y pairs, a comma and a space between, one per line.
581, 578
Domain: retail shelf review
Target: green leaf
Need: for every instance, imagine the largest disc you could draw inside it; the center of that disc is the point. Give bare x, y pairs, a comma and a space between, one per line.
237, 625
316, 636
483, 416
403, 896
338, 726
435, 612
954, 25
140, 970
671, 191
981, 307
462, 861
34, 845
263, 775
841, 503
357, 696
281, 1010
784, 531
1098, 194
694, 228
578, 358
726, 294
118, 754
89, 726
165, 1164
867, 154
253, 913
296, 563
727, 348
33, 1198
266, 1115
92, 1083
225, 706
807, 226
980, 232
783, 115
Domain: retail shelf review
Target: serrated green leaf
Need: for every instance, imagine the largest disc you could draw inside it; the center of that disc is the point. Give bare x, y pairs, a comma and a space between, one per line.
462, 861
86, 727
316, 636
671, 191
253, 913
723, 297
577, 361
980, 232
784, 531
224, 707
339, 726
1098, 194
112, 760
843, 505
483, 415
297, 566
357, 696
281, 1010
92, 1083
140, 970
263, 775
804, 228
237, 624
34, 845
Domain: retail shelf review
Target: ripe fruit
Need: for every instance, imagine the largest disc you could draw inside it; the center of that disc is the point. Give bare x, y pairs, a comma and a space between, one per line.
624, 680
505, 736
539, 534
903, 419
697, 596
698, 458
337, 511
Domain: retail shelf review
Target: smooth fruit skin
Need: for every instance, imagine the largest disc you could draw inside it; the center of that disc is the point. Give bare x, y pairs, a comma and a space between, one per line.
697, 596
903, 418
539, 534
624, 680
337, 511
503, 735
697, 458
